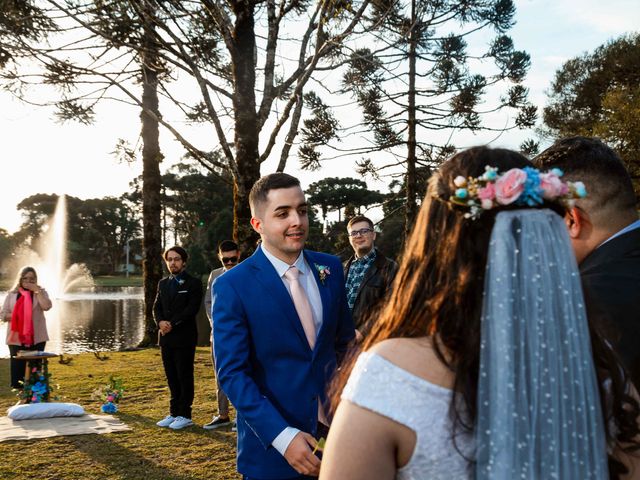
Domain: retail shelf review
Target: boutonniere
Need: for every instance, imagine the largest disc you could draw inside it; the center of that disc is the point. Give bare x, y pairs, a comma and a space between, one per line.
181, 281
323, 272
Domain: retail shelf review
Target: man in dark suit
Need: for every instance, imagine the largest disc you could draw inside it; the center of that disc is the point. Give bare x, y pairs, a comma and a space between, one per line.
369, 274
229, 255
175, 309
605, 233
280, 328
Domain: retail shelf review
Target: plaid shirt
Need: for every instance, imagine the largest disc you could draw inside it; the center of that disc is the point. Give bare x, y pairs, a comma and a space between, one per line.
357, 269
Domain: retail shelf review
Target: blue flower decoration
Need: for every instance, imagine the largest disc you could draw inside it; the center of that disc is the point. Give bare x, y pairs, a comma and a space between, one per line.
581, 190
557, 172
109, 408
532, 193
39, 388
490, 174
462, 193
323, 272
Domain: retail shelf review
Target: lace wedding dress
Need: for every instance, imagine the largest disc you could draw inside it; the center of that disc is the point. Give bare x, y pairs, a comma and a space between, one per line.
386, 389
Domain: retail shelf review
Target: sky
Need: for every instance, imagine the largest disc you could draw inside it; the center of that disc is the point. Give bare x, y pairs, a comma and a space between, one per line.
39, 155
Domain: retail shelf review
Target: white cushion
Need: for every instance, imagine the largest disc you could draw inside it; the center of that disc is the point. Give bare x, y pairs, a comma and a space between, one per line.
44, 410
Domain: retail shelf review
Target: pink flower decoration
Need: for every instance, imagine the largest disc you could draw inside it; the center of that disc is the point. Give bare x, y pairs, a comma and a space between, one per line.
34, 370
552, 187
110, 398
510, 186
488, 192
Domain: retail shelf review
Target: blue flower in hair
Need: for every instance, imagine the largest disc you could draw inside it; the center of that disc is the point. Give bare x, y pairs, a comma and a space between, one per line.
462, 193
490, 173
532, 194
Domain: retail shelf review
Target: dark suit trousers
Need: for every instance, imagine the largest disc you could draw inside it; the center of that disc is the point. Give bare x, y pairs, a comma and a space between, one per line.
18, 366
178, 367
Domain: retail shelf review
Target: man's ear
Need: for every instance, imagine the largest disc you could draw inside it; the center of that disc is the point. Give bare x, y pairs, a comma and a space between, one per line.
576, 220
256, 223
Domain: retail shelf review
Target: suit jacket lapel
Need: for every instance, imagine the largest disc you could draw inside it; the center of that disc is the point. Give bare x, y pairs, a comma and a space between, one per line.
273, 286
166, 291
173, 286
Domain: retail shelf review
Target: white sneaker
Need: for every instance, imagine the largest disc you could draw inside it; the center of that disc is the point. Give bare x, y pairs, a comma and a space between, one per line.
180, 422
166, 421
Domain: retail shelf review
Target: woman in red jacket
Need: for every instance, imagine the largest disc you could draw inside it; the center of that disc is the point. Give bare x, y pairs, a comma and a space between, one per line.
24, 309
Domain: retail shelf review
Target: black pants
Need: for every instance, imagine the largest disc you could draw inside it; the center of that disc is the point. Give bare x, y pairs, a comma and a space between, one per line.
178, 367
18, 366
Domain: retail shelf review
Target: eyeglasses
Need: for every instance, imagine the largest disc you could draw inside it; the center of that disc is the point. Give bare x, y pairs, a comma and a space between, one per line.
360, 233
229, 259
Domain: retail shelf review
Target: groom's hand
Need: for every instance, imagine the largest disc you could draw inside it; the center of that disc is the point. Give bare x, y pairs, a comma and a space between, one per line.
300, 456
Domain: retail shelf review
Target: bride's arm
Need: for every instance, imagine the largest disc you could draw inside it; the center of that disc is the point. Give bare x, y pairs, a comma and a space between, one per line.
363, 445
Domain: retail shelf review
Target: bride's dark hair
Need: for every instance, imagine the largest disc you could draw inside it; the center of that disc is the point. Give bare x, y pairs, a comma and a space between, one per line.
438, 292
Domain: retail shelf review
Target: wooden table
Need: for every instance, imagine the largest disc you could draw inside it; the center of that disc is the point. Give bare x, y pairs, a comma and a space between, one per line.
32, 357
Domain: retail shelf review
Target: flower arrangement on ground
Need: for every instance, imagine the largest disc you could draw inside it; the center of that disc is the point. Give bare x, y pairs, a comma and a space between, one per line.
110, 394
36, 388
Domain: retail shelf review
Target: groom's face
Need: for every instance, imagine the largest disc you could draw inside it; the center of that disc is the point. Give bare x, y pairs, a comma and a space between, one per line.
282, 222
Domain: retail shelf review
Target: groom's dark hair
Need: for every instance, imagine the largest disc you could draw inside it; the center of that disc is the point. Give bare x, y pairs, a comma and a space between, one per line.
610, 194
273, 181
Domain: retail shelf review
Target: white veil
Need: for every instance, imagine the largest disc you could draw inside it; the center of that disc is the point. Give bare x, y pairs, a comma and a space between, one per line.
539, 414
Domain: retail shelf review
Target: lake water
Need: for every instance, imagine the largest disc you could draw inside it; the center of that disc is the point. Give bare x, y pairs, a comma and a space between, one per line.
107, 319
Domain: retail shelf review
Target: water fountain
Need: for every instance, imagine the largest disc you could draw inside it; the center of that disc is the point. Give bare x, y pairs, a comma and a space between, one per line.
49, 257
84, 317
52, 269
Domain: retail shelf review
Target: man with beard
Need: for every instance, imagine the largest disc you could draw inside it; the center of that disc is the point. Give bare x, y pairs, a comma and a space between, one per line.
175, 309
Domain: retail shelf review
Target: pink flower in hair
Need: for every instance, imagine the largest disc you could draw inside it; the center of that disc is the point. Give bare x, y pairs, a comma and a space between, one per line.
552, 187
488, 192
510, 186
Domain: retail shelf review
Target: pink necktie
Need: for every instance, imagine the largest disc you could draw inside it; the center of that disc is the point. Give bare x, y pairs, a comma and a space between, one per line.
301, 302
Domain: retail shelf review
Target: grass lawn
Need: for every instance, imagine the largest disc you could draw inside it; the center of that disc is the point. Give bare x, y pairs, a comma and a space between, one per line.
145, 453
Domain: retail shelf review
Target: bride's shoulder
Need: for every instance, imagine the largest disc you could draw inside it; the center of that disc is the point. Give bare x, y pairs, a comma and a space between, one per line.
418, 357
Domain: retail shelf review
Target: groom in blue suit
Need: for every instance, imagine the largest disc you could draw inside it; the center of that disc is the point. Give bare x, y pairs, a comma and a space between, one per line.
280, 327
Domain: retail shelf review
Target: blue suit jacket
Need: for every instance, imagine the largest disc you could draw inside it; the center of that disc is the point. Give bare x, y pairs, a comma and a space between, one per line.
263, 360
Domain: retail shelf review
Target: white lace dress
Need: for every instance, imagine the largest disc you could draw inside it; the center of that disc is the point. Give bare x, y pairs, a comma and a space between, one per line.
386, 389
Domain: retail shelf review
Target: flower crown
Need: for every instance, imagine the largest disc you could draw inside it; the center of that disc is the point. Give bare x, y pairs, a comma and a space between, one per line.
519, 186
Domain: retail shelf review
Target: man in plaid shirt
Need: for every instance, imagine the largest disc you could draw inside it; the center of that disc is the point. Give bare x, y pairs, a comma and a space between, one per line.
369, 274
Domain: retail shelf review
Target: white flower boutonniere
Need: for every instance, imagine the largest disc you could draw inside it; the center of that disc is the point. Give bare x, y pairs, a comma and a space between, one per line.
323, 272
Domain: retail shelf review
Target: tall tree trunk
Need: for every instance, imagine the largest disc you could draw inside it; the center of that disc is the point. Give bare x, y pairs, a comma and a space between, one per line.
411, 207
151, 184
246, 124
